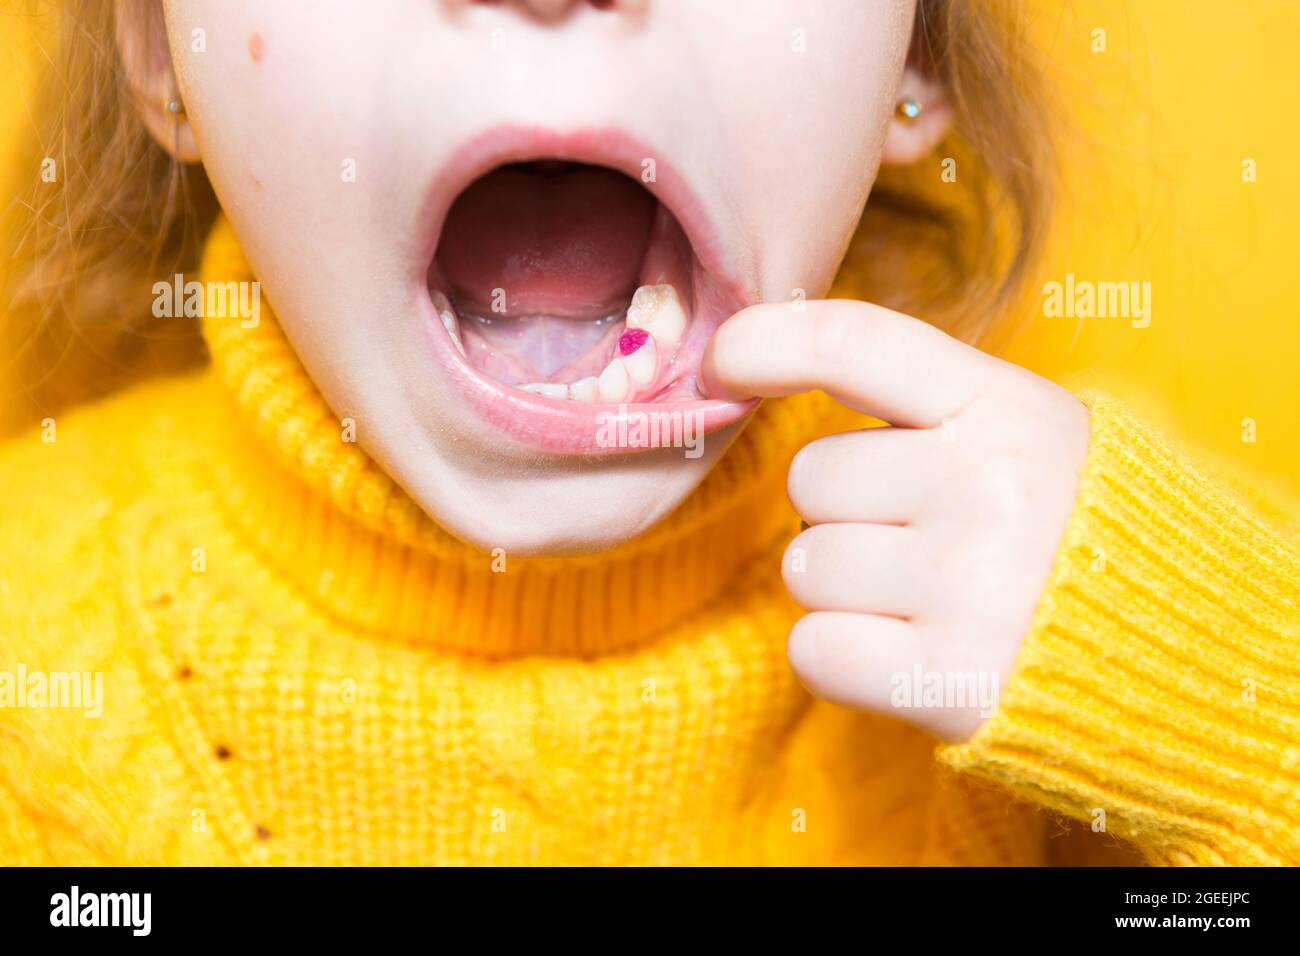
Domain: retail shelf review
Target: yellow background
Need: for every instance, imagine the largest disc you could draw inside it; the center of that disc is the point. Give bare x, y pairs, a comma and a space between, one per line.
1184, 92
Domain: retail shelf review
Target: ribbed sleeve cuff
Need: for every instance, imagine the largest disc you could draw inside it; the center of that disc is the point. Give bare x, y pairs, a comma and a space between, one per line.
1157, 693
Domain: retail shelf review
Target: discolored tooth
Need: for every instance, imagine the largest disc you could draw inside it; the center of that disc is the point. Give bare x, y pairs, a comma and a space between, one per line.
639, 356
585, 389
658, 310
547, 390
613, 385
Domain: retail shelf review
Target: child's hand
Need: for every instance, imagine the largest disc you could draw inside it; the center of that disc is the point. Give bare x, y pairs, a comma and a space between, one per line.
930, 541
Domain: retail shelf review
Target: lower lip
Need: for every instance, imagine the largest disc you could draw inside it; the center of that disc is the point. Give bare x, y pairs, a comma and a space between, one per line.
568, 427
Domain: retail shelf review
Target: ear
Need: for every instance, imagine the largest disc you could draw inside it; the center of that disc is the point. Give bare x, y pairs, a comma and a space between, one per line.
911, 140
146, 62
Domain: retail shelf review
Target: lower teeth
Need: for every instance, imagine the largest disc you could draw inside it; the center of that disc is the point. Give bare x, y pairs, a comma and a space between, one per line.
547, 389
585, 390
655, 324
448, 316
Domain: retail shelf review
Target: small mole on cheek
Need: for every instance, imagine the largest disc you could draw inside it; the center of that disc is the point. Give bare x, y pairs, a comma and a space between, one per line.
255, 47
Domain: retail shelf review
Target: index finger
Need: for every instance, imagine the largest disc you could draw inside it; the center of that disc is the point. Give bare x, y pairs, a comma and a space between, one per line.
878, 362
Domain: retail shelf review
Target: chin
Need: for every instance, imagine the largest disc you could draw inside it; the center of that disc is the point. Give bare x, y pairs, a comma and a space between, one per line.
549, 506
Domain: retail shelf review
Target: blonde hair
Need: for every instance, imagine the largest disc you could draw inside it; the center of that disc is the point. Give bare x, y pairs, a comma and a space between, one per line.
84, 251
965, 242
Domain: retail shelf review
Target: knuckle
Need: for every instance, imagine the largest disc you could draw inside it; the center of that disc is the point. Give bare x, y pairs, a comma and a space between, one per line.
977, 575
1004, 485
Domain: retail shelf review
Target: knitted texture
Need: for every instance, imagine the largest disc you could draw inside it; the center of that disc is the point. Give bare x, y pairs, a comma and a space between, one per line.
300, 667
1158, 693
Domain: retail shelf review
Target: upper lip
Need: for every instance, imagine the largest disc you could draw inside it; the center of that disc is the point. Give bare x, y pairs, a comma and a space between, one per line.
606, 147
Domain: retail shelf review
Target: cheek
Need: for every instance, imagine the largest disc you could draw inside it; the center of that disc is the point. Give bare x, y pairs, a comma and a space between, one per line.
287, 109
807, 96
281, 102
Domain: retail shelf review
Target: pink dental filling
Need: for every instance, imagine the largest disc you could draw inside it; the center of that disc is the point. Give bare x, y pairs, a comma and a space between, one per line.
631, 340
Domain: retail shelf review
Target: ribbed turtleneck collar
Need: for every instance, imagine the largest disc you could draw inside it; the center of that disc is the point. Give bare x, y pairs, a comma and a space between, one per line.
323, 514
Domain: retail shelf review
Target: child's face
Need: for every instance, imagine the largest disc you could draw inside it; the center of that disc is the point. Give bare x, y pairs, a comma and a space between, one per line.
340, 136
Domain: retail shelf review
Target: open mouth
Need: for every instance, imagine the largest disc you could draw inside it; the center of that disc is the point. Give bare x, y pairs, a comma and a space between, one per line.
567, 289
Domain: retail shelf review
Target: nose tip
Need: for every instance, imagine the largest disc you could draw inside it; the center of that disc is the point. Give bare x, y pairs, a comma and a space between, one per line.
549, 9
552, 10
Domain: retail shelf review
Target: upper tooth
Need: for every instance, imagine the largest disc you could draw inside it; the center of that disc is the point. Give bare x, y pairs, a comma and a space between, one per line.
613, 385
641, 365
547, 389
585, 389
658, 310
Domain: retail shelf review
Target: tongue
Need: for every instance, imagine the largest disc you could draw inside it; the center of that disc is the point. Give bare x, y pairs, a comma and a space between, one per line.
560, 239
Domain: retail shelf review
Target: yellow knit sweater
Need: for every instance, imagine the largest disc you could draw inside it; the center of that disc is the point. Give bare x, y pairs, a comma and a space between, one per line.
299, 667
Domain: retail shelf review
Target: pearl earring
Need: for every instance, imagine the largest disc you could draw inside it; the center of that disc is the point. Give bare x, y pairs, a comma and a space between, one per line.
175, 107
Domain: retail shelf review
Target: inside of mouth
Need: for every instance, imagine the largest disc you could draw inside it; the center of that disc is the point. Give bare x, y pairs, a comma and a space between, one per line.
570, 281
